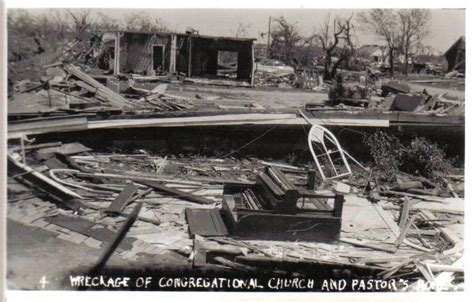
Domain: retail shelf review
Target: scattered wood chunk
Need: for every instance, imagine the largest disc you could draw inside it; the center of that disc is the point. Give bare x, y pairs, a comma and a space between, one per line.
95, 87
122, 200
405, 210
175, 192
65, 149
342, 188
117, 239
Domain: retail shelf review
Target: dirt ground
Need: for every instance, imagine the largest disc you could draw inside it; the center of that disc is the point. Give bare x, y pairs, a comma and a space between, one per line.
35, 255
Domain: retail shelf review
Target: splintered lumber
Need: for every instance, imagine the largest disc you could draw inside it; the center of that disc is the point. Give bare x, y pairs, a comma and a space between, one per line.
235, 265
447, 233
41, 181
88, 228
232, 119
122, 199
65, 149
113, 244
18, 129
175, 192
368, 244
404, 212
38, 146
422, 197
394, 227
100, 90
405, 229
160, 88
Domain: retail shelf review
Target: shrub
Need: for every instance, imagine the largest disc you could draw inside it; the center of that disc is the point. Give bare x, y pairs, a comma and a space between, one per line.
417, 156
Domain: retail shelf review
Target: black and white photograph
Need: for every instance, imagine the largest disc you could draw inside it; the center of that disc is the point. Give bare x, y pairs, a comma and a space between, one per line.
265, 150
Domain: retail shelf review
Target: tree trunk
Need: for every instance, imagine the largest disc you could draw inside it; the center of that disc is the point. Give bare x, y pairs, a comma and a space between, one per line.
327, 66
391, 61
406, 61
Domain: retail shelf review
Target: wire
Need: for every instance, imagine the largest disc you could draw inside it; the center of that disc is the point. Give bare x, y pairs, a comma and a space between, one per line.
257, 138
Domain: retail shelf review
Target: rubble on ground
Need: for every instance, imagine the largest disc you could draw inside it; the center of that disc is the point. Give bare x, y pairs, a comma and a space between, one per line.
410, 228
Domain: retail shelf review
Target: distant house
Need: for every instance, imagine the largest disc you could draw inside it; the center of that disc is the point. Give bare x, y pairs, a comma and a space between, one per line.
456, 55
189, 54
373, 53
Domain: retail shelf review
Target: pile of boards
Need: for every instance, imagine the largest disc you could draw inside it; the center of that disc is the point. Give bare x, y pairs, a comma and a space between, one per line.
67, 88
388, 232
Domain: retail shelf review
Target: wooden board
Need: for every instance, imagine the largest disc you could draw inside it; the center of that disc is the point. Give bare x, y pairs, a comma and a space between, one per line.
65, 149
234, 119
205, 222
117, 206
175, 192
88, 228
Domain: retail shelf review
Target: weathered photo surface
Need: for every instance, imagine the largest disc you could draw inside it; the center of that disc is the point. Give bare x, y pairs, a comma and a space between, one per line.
271, 150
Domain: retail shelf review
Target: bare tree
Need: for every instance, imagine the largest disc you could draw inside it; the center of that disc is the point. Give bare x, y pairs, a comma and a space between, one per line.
142, 21
242, 30
384, 24
336, 41
414, 27
81, 23
285, 38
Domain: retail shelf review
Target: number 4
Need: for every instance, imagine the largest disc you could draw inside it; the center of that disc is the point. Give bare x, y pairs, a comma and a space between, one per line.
43, 282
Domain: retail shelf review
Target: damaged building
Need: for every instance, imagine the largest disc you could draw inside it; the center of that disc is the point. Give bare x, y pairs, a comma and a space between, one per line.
456, 55
187, 54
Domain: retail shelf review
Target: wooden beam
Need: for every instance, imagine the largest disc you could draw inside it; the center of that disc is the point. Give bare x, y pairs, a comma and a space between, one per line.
41, 181
405, 210
114, 98
117, 206
404, 231
172, 67
109, 250
175, 192
117, 54
190, 55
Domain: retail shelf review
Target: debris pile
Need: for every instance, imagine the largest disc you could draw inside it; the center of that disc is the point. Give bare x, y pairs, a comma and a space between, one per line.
412, 228
280, 79
67, 88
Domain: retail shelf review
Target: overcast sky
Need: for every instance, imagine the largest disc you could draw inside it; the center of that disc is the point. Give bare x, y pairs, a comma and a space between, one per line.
447, 25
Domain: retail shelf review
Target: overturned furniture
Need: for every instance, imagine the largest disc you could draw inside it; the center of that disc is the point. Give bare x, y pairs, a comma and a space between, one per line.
273, 208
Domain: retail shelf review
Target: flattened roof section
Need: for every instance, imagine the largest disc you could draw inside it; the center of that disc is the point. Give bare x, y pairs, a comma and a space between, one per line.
184, 34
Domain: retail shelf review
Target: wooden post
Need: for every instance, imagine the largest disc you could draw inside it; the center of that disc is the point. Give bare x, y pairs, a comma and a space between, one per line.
338, 203
117, 54
252, 74
405, 210
190, 55
23, 153
172, 69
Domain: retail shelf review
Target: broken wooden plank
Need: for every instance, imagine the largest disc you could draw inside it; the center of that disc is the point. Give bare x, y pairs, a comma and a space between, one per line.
65, 149
368, 244
404, 231
118, 237
405, 210
235, 265
89, 228
111, 96
447, 233
46, 125
38, 146
205, 222
394, 227
175, 192
41, 181
117, 206
230, 119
